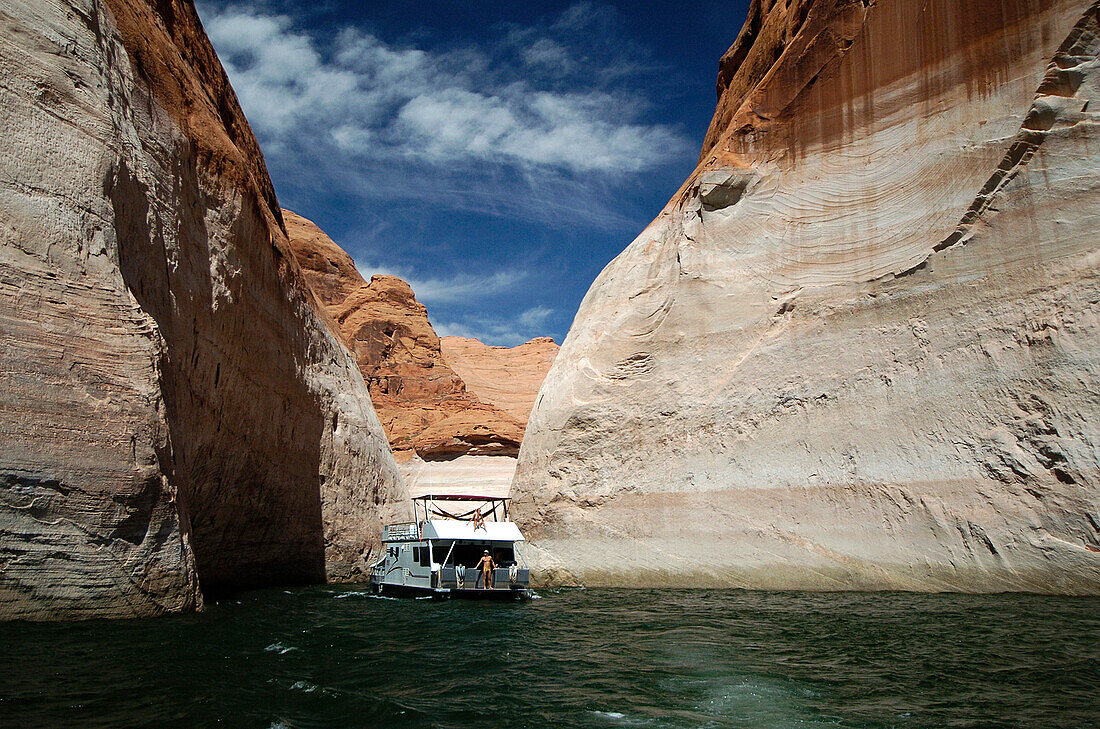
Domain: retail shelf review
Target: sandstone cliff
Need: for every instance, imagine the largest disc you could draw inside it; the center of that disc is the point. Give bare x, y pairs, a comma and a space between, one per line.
507, 377
424, 406
860, 348
174, 415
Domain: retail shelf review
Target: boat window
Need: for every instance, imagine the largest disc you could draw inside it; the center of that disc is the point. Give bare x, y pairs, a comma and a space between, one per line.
440, 550
421, 555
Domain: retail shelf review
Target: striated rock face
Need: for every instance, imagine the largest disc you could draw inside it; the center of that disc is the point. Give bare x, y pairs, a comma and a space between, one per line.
174, 415
860, 348
507, 377
482, 475
423, 404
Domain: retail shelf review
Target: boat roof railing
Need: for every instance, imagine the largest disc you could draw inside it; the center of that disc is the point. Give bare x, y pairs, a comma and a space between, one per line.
459, 497
489, 512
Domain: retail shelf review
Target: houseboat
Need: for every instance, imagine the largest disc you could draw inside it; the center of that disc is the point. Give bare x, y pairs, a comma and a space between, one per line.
438, 554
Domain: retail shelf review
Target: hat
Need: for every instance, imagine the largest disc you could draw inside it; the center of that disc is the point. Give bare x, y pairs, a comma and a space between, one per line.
486, 551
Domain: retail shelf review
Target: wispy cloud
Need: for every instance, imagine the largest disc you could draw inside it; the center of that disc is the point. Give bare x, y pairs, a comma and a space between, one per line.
499, 328
535, 317
488, 166
458, 288
525, 109
500, 331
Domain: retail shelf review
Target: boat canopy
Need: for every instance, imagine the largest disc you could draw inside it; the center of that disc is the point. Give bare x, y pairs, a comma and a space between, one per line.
490, 531
462, 507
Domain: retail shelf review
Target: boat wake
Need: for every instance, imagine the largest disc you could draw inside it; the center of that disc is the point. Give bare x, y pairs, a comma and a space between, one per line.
619, 718
368, 595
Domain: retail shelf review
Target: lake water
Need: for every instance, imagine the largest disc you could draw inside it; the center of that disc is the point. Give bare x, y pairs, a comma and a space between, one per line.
336, 657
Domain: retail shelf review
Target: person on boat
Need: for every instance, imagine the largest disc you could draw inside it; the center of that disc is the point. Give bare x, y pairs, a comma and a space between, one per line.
486, 566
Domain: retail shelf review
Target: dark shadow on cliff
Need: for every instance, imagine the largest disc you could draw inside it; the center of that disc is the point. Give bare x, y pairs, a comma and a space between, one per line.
245, 429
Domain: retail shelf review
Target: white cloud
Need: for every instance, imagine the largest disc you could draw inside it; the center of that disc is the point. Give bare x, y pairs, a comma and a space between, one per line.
585, 16
548, 54
377, 102
459, 288
278, 74
349, 138
535, 317
452, 123
465, 287
498, 332
577, 131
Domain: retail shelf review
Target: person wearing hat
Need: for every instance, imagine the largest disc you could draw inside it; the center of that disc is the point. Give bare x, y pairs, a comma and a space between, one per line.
486, 566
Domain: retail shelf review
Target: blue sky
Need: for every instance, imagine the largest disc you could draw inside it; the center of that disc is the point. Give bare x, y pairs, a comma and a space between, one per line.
494, 154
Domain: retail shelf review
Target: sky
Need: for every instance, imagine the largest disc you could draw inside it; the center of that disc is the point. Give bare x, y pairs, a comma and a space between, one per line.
496, 155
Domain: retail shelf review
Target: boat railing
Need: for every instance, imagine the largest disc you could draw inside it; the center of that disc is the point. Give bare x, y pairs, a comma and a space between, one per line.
397, 532
469, 578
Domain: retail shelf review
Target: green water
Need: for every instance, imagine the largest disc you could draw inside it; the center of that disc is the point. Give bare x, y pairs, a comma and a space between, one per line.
335, 657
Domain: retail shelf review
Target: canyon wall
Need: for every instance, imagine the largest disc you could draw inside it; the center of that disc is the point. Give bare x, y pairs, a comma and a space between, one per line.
454, 408
859, 348
506, 377
175, 417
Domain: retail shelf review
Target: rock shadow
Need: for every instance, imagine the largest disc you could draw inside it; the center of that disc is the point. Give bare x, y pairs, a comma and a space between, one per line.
245, 428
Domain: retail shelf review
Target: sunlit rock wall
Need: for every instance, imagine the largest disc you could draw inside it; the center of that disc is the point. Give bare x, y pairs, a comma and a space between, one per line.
174, 417
859, 348
477, 475
505, 377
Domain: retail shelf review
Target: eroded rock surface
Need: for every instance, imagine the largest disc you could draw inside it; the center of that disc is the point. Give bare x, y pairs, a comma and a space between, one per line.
480, 475
507, 377
859, 348
174, 415
423, 404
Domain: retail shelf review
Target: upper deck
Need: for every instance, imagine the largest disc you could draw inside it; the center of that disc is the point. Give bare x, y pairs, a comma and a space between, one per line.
456, 517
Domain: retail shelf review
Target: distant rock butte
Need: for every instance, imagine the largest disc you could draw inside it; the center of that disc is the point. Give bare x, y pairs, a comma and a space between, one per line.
174, 415
507, 377
860, 347
422, 403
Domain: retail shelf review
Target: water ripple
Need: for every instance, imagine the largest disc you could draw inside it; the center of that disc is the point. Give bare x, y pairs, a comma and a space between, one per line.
674, 659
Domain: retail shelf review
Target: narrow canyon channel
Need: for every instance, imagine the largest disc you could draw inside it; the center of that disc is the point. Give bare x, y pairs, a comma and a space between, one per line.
580, 363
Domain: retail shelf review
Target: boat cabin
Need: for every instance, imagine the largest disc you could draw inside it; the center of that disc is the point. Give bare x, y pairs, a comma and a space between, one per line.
438, 553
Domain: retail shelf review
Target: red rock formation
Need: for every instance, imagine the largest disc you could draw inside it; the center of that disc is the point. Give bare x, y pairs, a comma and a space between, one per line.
174, 414
330, 272
424, 406
507, 377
